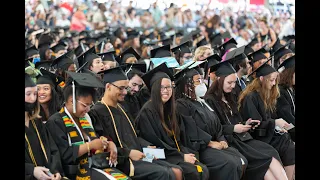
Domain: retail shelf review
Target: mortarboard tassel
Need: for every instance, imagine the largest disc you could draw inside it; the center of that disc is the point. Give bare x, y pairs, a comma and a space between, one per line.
73, 97
102, 47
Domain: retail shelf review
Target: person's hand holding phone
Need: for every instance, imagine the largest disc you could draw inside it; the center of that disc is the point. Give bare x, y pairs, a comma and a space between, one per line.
253, 123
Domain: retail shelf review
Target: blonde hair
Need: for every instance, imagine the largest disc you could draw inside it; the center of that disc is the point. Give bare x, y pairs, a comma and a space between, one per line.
200, 52
269, 97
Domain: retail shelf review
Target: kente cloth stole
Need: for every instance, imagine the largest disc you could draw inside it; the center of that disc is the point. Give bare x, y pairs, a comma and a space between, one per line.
76, 139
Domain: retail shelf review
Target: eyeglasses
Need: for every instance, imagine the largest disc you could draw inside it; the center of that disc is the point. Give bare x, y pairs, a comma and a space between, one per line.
86, 106
168, 88
122, 88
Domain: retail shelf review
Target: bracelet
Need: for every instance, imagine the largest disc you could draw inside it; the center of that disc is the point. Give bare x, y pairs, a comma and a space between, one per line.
88, 146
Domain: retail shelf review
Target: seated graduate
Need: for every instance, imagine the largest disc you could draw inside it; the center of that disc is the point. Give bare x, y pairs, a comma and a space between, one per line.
242, 66
182, 53
111, 120
108, 59
263, 159
72, 129
286, 102
203, 131
89, 60
129, 56
157, 123
258, 102
131, 102
64, 63
42, 158
48, 97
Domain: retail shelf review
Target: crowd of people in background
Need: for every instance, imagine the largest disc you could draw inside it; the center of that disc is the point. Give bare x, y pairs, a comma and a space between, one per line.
213, 89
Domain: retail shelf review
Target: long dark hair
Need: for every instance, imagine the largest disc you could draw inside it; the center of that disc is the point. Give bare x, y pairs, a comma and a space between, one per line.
216, 90
54, 104
164, 110
185, 89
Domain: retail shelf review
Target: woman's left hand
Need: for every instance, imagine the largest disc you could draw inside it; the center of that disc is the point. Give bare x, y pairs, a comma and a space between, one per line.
224, 144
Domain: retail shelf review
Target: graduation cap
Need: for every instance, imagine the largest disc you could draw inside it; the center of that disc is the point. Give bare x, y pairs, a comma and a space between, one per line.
100, 46
276, 46
84, 33
288, 63
257, 55
31, 51
223, 69
159, 72
64, 61
179, 33
289, 37
231, 43
118, 32
113, 75
248, 50
226, 35
141, 67
202, 42
130, 52
58, 47
236, 54
253, 42
166, 40
82, 80
108, 56
263, 70
159, 52
209, 62
48, 77
182, 48
187, 72
195, 34
43, 64
86, 58
80, 49
132, 34
28, 82
281, 52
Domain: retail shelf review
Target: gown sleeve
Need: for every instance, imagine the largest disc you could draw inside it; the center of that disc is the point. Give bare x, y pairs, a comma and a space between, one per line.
227, 129
193, 137
250, 109
147, 129
28, 169
284, 108
57, 129
98, 127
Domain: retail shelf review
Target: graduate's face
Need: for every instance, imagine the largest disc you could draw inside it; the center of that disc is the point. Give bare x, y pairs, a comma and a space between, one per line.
119, 90
166, 90
44, 93
229, 83
30, 94
72, 68
271, 81
83, 105
131, 60
135, 84
97, 65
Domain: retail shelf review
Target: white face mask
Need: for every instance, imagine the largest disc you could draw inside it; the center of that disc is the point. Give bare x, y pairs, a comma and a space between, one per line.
200, 90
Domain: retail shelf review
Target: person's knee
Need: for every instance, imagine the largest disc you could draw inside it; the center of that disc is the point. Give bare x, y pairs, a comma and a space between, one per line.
177, 173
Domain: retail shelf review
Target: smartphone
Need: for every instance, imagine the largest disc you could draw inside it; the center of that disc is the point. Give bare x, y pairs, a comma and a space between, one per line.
253, 123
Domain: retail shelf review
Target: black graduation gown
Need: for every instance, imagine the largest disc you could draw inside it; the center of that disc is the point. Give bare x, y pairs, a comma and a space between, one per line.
54, 162
132, 105
253, 107
258, 153
143, 95
201, 127
285, 107
103, 125
69, 154
149, 127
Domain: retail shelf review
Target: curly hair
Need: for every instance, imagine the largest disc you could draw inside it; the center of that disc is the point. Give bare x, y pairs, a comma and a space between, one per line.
269, 97
286, 77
